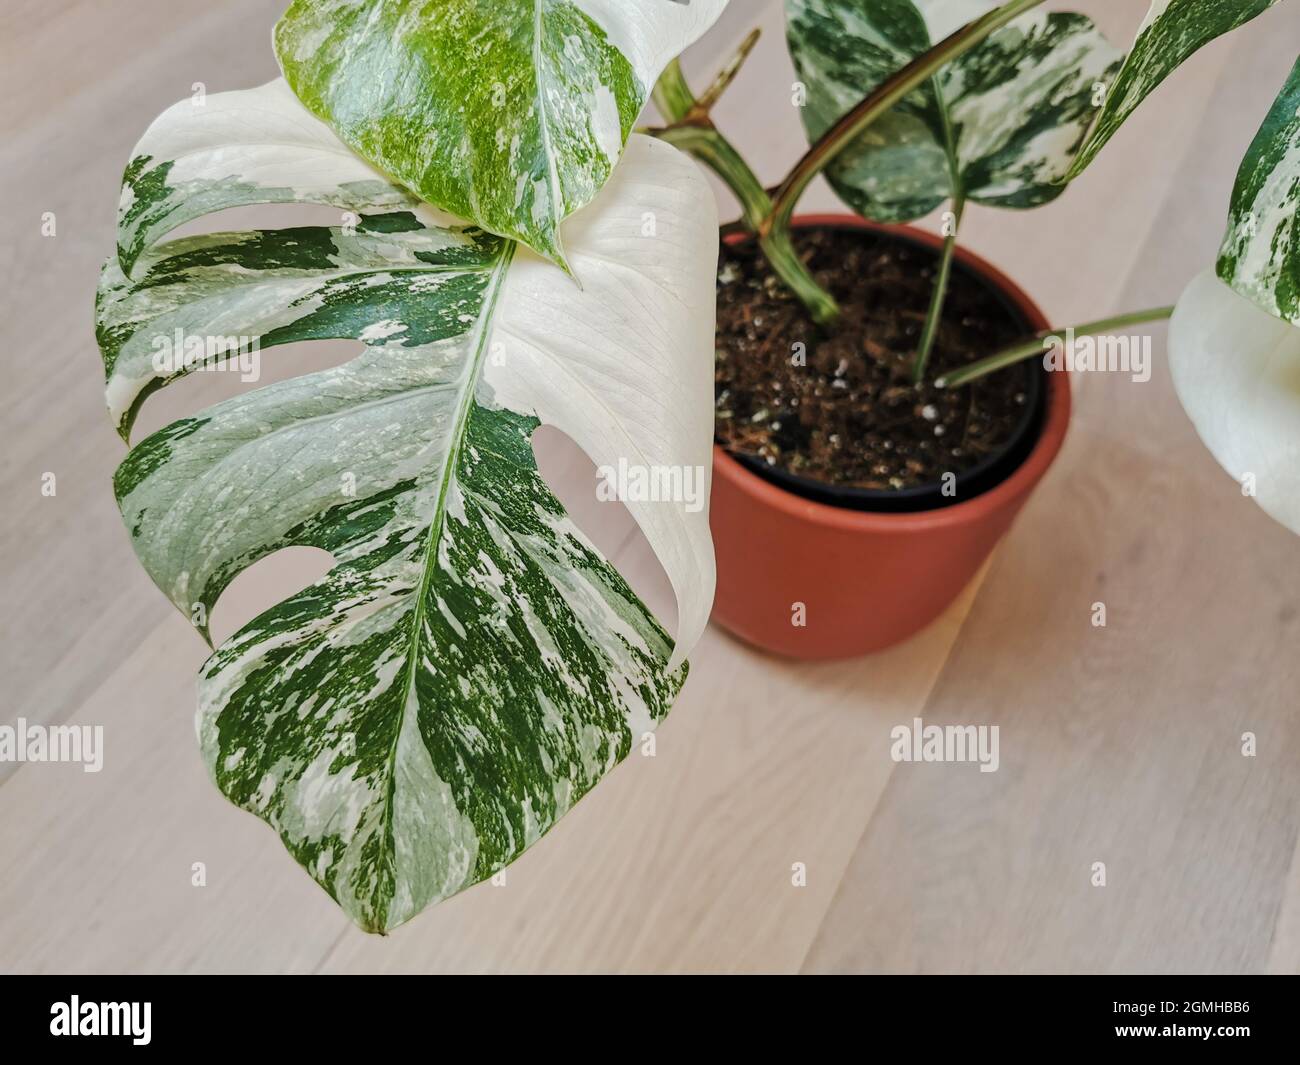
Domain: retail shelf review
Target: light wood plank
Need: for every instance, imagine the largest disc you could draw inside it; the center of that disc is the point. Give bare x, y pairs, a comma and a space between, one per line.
1119, 744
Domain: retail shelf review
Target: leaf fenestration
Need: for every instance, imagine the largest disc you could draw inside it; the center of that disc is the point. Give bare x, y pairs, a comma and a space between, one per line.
471, 665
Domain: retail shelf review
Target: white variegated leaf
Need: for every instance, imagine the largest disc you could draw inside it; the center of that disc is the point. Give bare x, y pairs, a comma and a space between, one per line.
998, 125
1260, 257
1236, 369
1171, 32
470, 666
510, 113
201, 155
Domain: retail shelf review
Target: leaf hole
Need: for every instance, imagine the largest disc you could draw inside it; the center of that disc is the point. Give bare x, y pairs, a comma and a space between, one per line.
572, 476
264, 584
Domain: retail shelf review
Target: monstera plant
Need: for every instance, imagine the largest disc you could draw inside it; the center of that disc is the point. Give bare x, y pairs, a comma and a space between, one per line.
511, 253
471, 665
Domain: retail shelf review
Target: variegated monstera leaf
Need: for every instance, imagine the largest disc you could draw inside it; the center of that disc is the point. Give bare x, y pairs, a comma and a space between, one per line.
1234, 343
1172, 32
998, 125
1260, 257
510, 113
471, 665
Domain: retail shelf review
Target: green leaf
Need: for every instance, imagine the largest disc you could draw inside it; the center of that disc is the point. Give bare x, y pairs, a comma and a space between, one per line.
999, 125
1171, 32
1260, 257
510, 114
471, 666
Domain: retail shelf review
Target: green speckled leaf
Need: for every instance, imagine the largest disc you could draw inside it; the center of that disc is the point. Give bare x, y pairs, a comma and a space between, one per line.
510, 113
471, 666
1260, 257
1171, 32
999, 125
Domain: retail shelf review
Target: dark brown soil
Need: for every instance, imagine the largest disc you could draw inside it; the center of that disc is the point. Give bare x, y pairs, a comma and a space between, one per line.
850, 416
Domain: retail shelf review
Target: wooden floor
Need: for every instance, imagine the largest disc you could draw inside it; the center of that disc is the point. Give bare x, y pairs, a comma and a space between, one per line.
1119, 745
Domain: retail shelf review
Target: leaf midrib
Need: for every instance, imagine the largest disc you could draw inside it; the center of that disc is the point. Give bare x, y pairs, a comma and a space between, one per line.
459, 425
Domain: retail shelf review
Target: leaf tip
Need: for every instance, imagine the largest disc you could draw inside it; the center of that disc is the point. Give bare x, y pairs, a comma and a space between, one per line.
555, 253
201, 627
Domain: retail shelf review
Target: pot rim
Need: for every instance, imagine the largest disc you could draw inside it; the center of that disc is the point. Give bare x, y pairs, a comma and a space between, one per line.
1021, 480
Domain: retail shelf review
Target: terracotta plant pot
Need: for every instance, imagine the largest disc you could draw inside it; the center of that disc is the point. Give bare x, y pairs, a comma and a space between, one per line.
865, 580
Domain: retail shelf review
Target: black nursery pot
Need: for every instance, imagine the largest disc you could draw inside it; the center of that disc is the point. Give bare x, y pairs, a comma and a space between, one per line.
985, 475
